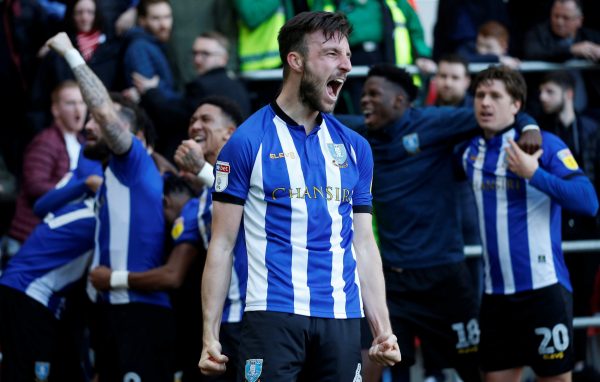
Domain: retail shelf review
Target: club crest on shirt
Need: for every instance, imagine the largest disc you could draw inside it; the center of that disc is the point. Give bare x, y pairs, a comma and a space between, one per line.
42, 371
253, 369
411, 143
177, 229
221, 176
567, 159
339, 154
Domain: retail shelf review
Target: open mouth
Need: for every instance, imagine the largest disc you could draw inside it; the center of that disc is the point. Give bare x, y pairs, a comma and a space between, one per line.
334, 86
199, 139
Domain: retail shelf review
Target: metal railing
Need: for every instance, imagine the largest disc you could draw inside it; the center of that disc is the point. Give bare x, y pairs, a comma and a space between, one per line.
361, 71
579, 246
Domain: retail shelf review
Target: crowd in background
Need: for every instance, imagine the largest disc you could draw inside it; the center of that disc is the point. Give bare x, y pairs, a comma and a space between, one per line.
168, 56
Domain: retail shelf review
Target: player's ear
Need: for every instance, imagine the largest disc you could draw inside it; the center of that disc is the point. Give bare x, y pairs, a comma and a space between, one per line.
295, 61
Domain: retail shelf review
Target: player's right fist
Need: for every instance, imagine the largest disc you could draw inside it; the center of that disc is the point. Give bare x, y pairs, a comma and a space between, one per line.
212, 362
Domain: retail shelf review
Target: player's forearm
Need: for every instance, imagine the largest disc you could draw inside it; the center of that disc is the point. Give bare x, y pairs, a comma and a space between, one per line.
215, 284
576, 194
372, 287
161, 278
101, 107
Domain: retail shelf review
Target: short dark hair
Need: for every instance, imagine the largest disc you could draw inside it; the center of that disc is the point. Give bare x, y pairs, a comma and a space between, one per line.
143, 5
55, 95
173, 184
228, 106
512, 79
453, 58
396, 75
292, 36
562, 78
136, 116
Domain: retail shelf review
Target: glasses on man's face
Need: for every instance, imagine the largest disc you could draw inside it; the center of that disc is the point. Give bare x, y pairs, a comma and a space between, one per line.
205, 53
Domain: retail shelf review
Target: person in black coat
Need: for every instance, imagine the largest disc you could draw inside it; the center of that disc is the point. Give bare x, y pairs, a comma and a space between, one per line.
564, 38
172, 115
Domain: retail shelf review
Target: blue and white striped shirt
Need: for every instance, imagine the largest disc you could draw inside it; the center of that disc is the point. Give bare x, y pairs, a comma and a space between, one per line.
131, 226
299, 192
519, 219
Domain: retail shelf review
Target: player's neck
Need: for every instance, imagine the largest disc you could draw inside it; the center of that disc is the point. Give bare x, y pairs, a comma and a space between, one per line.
291, 104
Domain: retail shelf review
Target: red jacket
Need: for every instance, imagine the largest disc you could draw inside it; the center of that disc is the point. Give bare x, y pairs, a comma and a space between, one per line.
45, 162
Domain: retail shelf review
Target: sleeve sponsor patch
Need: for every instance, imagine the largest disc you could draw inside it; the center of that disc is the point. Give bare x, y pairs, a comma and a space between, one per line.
221, 176
567, 159
177, 229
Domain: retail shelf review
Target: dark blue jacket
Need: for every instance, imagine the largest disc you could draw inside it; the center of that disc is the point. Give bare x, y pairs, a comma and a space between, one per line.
146, 55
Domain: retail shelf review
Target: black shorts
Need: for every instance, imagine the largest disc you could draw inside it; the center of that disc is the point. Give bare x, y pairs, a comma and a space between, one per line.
28, 337
283, 347
229, 337
439, 306
533, 328
134, 342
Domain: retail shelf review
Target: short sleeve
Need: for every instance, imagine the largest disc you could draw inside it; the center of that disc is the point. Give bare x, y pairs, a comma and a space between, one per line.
130, 166
233, 170
185, 227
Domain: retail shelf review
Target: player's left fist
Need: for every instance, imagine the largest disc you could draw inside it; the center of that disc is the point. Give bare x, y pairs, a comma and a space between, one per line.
60, 43
100, 278
385, 350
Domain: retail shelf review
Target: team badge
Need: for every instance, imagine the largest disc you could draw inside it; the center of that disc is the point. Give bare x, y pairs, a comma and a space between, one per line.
42, 371
177, 229
567, 158
253, 369
222, 176
411, 143
339, 154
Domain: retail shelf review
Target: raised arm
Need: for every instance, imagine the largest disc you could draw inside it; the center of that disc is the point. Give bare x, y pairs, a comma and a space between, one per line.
215, 282
117, 136
385, 349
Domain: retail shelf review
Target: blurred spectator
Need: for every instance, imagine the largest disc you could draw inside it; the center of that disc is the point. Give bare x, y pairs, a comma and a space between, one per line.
48, 157
389, 32
561, 38
84, 26
191, 18
582, 135
458, 21
145, 52
259, 23
171, 115
23, 30
451, 82
491, 46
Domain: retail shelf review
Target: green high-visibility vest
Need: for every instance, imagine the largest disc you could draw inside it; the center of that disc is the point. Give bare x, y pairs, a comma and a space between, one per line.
258, 48
402, 44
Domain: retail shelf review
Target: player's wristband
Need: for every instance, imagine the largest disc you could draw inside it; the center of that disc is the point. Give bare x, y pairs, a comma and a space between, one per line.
73, 58
206, 175
119, 280
530, 127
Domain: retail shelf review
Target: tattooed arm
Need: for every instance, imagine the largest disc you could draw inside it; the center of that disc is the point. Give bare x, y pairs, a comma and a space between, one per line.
115, 131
